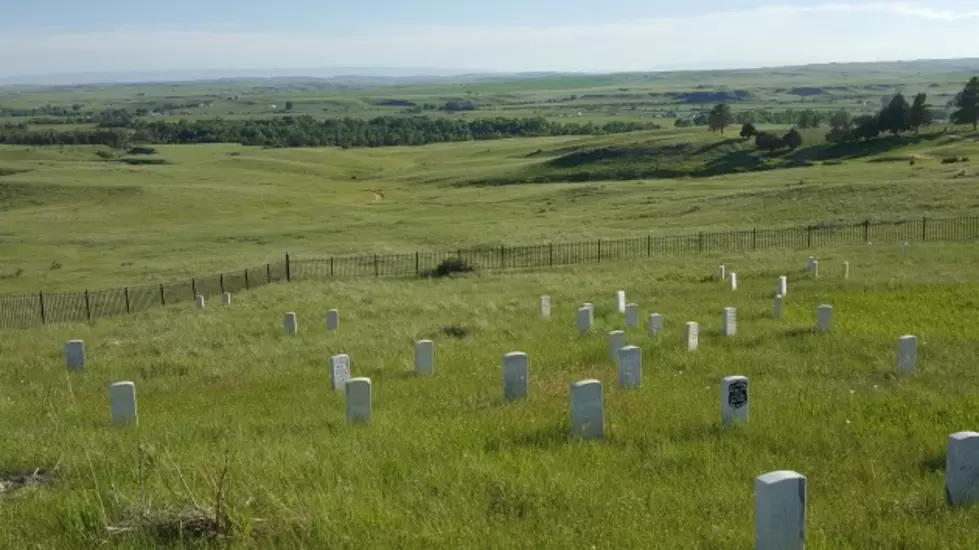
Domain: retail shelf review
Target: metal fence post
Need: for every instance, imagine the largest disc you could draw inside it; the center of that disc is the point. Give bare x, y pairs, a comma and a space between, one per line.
754, 238
866, 231
502, 256
88, 307
809, 237
125, 291
700, 242
247, 287
193, 287
599, 250
163, 296
288, 269
417, 265
924, 228
550, 254
376, 272
331, 266
268, 273
222, 283
40, 296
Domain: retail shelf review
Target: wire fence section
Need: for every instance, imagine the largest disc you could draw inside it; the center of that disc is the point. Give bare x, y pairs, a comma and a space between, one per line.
26, 310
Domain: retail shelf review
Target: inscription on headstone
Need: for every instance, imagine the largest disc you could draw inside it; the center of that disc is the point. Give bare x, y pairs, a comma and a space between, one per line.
545, 307
780, 511
630, 367
424, 357
358, 400
655, 324
339, 371
122, 399
616, 340
693, 335
583, 321
729, 321
734, 399
631, 315
907, 353
587, 416
290, 323
515, 374
824, 318
962, 469
333, 320
75, 355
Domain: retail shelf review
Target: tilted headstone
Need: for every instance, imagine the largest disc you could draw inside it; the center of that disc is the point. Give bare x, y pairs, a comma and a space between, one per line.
545, 307
729, 321
616, 340
122, 399
583, 321
778, 306
339, 371
515, 375
620, 301
907, 353
655, 324
693, 335
962, 469
290, 323
815, 269
333, 320
783, 285
199, 301
732, 280
226, 299
358, 399
734, 399
629, 371
780, 511
846, 270
587, 415
824, 318
631, 315
424, 357
721, 273
75, 355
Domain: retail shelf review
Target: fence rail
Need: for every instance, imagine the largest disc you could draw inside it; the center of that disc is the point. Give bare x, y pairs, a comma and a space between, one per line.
27, 310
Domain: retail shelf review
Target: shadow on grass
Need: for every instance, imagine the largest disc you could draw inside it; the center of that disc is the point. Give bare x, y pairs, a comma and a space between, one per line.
933, 464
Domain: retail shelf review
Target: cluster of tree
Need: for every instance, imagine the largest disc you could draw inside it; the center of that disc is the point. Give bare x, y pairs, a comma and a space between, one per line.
807, 118
47, 110
768, 141
305, 131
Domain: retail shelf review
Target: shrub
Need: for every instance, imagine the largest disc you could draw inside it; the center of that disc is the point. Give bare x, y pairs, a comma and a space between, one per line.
450, 266
142, 151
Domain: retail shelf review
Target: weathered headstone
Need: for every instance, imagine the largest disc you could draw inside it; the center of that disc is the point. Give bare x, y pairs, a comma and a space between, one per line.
778, 306
815, 269
780, 511
290, 323
732, 280
122, 399
905, 248
358, 399
809, 265
339, 371
783, 285
199, 301
616, 340
629, 371
75, 355
693, 335
333, 320
729, 321
545, 307
587, 418
631, 315
515, 374
846, 270
584, 321
226, 299
734, 399
424, 357
721, 273
655, 324
962, 469
591, 312
824, 318
620, 301
907, 353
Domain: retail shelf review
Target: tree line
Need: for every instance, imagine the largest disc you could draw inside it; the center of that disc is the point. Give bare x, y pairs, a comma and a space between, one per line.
306, 131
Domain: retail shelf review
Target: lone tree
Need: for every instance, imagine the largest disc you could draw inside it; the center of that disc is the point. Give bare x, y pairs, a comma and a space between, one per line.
720, 117
748, 131
968, 105
289, 105
792, 140
840, 120
921, 115
896, 117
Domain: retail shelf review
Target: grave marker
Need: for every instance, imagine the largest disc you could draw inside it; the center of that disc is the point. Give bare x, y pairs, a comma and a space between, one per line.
616, 340
515, 374
907, 353
632, 315
905, 248
721, 273
729, 321
812, 260
591, 312
75, 355
290, 323
199, 301
620, 301
226, 299
734, 399
846, 270
587, 418
333, 320
545, 307
122, 399
962, 469
815, 269
339, 371
629, 371
424, 357
783, 285
655, 324
824, 318
583, 321
358, 400
693, 335
732, 280
780, 511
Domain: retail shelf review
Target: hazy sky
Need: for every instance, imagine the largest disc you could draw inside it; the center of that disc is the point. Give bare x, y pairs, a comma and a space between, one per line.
55, 36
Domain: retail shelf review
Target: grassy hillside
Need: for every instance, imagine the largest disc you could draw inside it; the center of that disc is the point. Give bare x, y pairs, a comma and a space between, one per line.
237, 420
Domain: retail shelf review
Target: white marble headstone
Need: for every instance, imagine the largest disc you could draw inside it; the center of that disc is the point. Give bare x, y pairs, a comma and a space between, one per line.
333, 320
122, 399
962, 469
729, 321
783, 285
75, 355
591, 312
846, 270
907, 353
905, 248
693, 335
199, 301
732, 280
631, 315
815, 269
583, 321
545, 307
290, 323
778, 306
721, 273
358, 399
824, 318
620, 301
515, 374
809, 264
424, 357
780, 511
339, 371
629, 370
226, 299
587, 418
734, 399
616, 340
655, 324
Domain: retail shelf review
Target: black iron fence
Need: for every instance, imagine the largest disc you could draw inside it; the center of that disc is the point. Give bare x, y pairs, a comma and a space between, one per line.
26, 310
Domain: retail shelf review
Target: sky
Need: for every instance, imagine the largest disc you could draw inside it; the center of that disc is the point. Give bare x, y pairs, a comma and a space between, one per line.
39, 37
